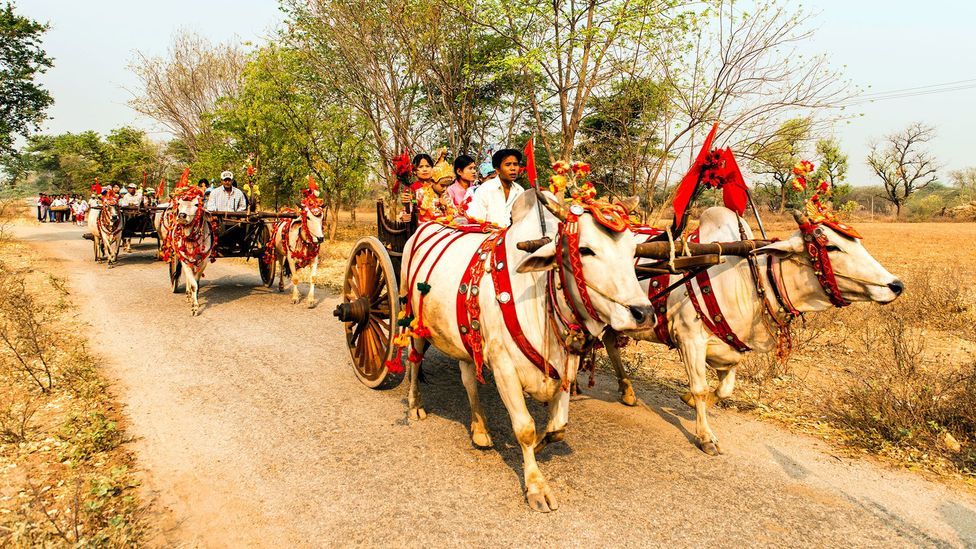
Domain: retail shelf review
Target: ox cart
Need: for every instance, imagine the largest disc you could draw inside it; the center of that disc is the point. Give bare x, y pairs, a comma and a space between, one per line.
370, 304
240, 234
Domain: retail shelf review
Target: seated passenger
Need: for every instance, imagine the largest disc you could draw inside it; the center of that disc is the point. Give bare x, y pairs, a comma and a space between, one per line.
493, 200
227, 198
433, 202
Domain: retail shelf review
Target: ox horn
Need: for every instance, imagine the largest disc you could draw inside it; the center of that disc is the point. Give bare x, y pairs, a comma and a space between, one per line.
798, 216
554, 207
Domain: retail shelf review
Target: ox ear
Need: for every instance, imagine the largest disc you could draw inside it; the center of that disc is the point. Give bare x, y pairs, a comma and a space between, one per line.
542, 259
783, 248
524, 205
630, 203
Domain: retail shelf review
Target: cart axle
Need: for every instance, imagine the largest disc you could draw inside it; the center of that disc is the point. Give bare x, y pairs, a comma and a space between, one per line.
354, 311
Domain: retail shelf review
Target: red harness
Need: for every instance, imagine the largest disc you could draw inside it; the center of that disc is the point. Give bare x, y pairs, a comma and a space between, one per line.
816, 247
305, 250
105, 223
187, 241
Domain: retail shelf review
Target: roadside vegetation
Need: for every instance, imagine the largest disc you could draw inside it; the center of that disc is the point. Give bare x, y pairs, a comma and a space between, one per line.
65, 474
895, 381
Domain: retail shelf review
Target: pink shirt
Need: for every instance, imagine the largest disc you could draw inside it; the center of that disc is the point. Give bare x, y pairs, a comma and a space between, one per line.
456, 192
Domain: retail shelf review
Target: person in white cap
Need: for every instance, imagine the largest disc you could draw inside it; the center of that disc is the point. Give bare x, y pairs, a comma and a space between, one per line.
227, 198
132, 197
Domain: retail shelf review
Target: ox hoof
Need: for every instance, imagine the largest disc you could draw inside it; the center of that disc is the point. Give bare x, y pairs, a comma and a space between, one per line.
550, 437
541, 499
711, 448
481, 440
627, 395
311, 304
418, 414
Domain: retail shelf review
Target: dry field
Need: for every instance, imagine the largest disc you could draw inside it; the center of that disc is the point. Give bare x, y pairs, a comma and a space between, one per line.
898, 382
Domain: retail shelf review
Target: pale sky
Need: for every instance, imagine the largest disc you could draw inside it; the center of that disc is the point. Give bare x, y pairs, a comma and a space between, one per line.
881, 45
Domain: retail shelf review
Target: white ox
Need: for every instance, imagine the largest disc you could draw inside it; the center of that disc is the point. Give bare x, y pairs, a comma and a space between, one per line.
607, 265
191, 239
859, 277
105, 224
295, 245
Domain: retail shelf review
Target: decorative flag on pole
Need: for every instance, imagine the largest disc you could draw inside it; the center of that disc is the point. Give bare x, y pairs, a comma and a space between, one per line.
313, 187
96, 188
530, 163
184, 179
689, 185
735, 193
145, 176
161, 188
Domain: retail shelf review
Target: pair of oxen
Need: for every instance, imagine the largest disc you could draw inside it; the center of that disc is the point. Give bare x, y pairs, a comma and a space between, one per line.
188, 233
597, 287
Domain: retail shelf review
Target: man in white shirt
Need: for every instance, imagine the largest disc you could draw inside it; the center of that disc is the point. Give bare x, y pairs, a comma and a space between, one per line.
493, 199
227, 198
131, 197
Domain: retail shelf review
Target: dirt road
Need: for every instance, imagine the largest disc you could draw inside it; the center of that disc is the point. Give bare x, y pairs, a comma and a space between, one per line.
252, 430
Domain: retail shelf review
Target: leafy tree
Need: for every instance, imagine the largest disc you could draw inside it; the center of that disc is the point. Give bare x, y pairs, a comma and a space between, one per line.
964, 181
22, 101
903, 165
293, 130
621, 136
776, 157
832, 168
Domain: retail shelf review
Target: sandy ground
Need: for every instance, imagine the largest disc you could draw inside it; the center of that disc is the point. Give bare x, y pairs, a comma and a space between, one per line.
252, 430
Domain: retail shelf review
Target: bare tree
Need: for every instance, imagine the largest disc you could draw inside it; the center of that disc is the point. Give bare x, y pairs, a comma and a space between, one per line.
743, 69
179, 90
355, 54
568, 49
903, 165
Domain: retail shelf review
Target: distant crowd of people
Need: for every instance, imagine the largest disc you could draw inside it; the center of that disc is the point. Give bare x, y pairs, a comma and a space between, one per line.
61, 208
68, 208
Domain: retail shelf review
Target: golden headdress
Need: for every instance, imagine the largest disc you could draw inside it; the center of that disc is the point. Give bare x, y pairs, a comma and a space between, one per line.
442, 168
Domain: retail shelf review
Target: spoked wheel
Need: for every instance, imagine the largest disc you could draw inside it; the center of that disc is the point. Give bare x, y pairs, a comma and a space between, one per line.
267, 269
369, 310
175, 269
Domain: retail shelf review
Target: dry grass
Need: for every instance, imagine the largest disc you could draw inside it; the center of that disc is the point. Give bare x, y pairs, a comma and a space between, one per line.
65, 476
892, 380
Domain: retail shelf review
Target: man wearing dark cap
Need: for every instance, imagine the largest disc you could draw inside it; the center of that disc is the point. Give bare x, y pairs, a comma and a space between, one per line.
493, 200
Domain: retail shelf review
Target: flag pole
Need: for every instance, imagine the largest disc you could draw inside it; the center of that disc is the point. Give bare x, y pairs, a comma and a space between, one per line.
539, 197
755, 212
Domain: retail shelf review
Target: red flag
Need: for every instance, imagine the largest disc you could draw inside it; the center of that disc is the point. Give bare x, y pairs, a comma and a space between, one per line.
530, 163
184, 179
96, 188
161, 188
735, 193
689, 184
311, 184
145, 176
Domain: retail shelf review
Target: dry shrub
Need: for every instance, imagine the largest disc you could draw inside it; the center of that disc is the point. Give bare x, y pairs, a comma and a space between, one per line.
26, 341
903, 396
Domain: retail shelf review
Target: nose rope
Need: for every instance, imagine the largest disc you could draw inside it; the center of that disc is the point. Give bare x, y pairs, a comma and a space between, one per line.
843, 275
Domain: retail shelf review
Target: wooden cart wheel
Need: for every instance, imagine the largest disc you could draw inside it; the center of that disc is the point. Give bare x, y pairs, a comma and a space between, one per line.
267, 269
175, 269
369, 310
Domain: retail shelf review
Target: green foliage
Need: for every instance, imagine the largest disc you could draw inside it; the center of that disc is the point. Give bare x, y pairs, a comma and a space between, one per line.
88, 435
776, 156
293, 130
621, 135
22, 101
70, 162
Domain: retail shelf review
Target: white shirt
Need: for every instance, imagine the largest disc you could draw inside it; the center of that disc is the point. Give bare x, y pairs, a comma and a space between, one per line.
489, 203
222, 201
130, 199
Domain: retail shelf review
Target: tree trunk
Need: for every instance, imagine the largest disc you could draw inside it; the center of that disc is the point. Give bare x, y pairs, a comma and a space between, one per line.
782, 198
